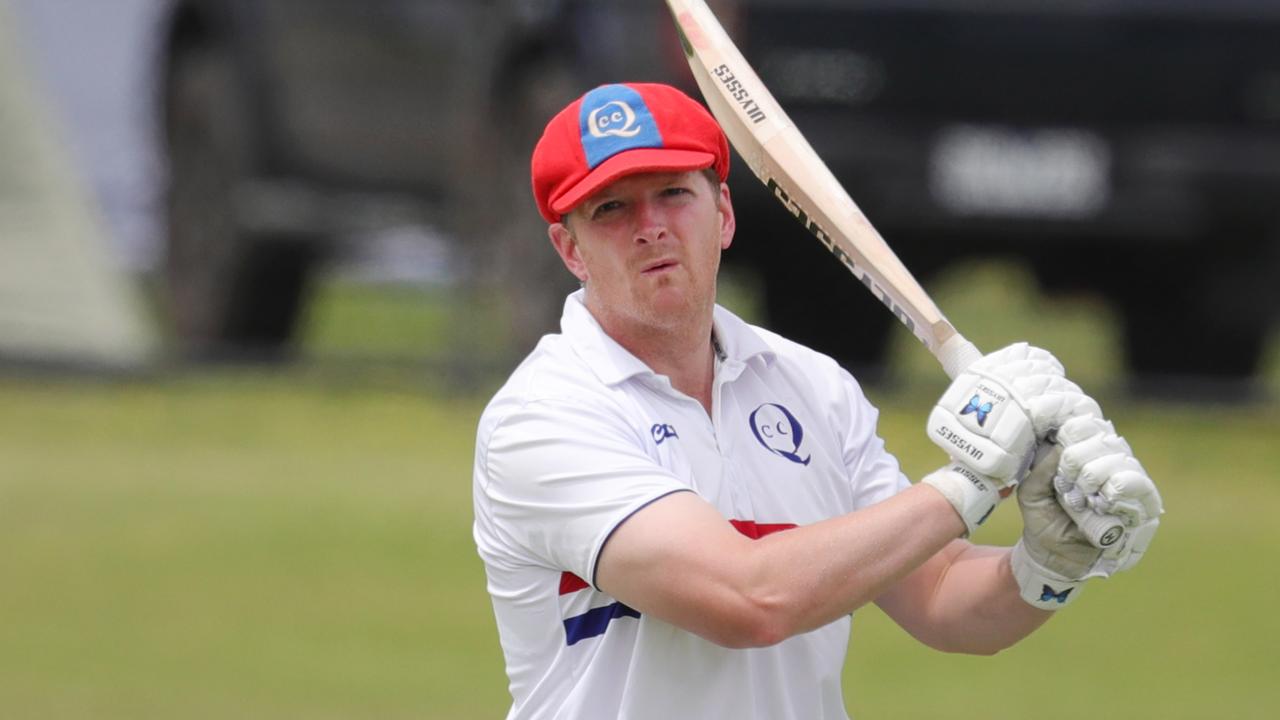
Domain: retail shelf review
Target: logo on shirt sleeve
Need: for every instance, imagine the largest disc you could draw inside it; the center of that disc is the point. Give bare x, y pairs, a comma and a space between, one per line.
778, 431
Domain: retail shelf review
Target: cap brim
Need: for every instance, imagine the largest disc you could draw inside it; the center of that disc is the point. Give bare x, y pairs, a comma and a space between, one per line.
629, 163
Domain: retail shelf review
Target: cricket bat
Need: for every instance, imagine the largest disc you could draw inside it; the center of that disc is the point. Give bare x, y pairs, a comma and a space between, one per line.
784, 161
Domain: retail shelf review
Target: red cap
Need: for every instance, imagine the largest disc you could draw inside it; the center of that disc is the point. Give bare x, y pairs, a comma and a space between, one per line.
618, 130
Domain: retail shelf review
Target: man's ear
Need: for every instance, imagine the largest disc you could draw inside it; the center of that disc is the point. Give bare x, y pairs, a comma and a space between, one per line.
728, 223
566, 246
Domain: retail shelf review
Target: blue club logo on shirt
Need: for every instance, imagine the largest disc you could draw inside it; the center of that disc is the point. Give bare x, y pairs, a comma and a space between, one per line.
778, 431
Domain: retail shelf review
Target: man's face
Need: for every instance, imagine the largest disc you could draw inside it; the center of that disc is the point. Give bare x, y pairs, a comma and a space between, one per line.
647, 248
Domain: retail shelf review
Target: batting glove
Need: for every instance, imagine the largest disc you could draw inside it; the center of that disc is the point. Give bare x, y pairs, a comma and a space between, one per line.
1088, 471
989, 421
1099, 475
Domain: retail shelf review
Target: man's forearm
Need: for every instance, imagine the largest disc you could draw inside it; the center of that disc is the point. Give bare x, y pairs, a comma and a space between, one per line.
678, 560
967, 601
831, 568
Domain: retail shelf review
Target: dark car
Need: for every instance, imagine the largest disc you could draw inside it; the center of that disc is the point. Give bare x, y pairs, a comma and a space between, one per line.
291, 123
1130, 148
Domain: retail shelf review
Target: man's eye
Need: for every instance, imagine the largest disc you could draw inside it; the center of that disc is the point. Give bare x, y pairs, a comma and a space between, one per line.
605, 208
678, 190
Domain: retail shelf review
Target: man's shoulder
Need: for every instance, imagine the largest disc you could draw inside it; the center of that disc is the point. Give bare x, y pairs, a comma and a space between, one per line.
797, 356
745, 340
801, 367
552, 375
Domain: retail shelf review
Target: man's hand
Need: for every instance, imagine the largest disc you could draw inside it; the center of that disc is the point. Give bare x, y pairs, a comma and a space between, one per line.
1089, 469
983, 419
1098, 474
989, 421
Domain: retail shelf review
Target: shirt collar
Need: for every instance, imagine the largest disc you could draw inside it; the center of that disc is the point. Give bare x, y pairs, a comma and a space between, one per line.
613, 363
739, 341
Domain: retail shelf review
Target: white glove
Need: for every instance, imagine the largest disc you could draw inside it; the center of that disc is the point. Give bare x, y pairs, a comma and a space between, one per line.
983, 421
1054, 557
989, 421
1098, 474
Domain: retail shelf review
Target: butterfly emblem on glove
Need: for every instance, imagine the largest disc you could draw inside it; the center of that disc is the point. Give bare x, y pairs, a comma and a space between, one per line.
1048, 594
977, 406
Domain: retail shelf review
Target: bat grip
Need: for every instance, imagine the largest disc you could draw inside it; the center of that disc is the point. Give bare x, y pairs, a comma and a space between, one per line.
1103, 531
956, 354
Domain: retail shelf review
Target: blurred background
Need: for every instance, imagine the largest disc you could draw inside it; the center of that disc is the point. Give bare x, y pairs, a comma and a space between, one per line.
262, 262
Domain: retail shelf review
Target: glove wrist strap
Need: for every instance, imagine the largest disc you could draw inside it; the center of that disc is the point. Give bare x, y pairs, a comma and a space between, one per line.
973, 496
1038, 586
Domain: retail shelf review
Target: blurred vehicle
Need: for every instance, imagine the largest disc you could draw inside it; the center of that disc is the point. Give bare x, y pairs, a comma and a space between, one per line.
1130, 148
293, 123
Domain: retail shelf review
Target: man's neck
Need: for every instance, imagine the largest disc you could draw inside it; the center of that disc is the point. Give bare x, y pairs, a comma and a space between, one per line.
684, 352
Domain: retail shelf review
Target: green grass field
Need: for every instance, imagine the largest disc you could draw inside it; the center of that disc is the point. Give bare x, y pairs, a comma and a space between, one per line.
296, 544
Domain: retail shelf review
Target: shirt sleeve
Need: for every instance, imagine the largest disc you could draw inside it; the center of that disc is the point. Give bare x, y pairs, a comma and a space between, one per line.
559, 477
873, 470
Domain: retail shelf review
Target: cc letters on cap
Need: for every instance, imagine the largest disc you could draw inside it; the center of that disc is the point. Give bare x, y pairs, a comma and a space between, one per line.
614, 118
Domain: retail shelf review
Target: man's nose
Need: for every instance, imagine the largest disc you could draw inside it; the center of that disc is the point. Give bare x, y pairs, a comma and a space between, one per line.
651, 222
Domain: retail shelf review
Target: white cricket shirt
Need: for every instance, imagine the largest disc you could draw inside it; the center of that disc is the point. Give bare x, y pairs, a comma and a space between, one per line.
583, 435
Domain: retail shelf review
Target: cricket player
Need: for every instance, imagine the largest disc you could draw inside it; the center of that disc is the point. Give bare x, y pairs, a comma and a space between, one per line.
678, 512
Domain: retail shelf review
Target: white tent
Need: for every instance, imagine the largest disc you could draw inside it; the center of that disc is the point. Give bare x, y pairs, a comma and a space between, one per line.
64, 298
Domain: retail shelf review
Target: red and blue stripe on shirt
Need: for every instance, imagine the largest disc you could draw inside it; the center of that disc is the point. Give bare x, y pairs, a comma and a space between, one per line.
595, 621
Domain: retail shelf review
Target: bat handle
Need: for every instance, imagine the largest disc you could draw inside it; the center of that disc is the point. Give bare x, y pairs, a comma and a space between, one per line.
956, 354
1104, 531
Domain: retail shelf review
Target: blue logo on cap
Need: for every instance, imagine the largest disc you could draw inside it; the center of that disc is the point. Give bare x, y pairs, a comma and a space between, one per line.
614, 118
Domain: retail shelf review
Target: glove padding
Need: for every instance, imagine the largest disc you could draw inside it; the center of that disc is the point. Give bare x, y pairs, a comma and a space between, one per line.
1089, 469
989, 421
983, 420
1098, 474
993, 413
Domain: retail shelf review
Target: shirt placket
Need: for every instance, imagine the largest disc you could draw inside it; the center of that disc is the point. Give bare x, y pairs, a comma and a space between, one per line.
738, 488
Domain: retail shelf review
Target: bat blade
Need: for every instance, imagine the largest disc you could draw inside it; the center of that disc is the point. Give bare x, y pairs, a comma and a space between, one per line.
783, 160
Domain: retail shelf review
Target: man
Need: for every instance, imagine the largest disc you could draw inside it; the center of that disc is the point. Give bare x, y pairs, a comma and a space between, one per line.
678, 511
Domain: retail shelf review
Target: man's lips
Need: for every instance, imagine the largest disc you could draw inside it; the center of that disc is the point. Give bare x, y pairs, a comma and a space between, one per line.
658, 266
